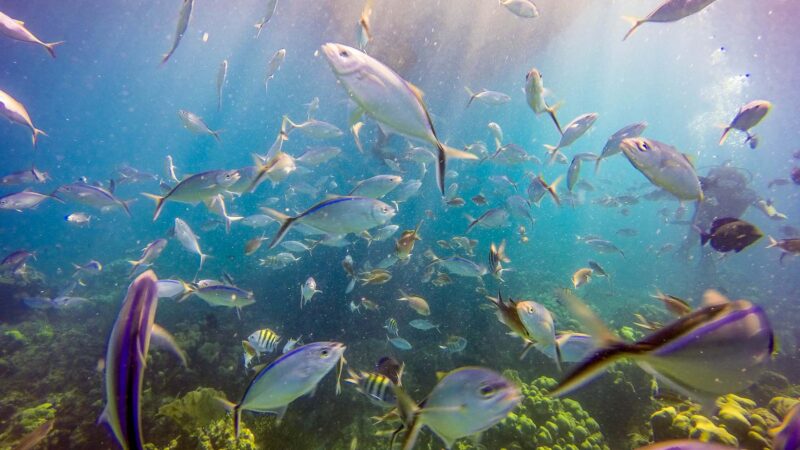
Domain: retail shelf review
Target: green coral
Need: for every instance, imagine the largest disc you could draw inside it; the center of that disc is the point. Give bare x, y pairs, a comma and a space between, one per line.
16, 336
31, 418
195, 409
542, 422
219, 435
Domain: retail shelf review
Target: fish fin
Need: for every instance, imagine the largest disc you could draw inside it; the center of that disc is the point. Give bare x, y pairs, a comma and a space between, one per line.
724, 136
551, 188
159, 204
559, 358
459, 154
471, 94
216, 134
163, 339
551, 111
416, 90
441, 165
287, 130
635, 23
286, 224
354, 118
282, 410
51, 47
35, 135
586, 317
772, 242
591, 367
528, 345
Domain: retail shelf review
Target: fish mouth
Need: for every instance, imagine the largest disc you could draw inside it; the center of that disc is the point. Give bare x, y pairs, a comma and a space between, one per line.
335, 54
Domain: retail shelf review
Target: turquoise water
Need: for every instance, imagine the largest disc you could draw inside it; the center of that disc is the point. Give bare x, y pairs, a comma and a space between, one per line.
107, 101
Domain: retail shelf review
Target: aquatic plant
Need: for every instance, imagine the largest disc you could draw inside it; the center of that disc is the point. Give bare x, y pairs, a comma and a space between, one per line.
196, 409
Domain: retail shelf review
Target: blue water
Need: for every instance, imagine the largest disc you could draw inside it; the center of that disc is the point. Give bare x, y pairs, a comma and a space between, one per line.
106, 101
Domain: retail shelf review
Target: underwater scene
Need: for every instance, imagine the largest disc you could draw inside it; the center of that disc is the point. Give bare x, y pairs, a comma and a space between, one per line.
400, 224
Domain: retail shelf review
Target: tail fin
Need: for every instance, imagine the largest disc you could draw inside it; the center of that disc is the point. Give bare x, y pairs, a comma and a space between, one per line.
441, 165
286, 224
229, 220
287, 130
772, 242
51, 47
259, 26
126, 206
552, 151
551, 188
551, 110
472, 95
135, 266
159, 204
635, 23
216, 135
203, 258
597, 164
724, 136
35, 135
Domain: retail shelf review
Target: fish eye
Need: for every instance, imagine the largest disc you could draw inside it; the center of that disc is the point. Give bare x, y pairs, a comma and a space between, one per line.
344, 53
324, 353
487, 391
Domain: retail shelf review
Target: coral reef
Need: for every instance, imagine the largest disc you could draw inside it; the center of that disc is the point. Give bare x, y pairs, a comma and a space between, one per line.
195, 409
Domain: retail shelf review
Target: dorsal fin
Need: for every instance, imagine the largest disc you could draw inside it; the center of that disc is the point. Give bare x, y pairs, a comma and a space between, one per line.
416, 90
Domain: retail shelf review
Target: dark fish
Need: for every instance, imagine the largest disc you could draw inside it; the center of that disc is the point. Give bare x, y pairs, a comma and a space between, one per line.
730, 234
389, 367
790, 246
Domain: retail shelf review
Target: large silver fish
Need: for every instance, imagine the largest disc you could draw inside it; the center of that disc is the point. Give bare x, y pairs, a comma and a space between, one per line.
712, 351
292, 375
15, 112
664, 166
95, 196
15, 29
395, 103
338, 215
196, 188
126, 357
668, 11
183, 22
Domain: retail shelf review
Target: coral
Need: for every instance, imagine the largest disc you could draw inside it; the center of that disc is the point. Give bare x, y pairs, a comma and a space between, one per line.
219, 435
542, 422
210, 351
195, 409
31, 418
16, 336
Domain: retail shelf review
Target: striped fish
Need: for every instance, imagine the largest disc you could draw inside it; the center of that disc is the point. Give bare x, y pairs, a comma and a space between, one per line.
264, 341
377, 387
391, 326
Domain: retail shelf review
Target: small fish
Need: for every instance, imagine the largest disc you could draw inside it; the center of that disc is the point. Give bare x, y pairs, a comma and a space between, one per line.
170, 168
78, 218
269, 12
769, 210
197, 188
572, 347
377, 186
90, 268
789, 246
20, 201
308, 290
598, 270
464, 402
189, 240
677, 306
257, 220
264, 341
479, 200
291, 344
497, 133
574, 130
399, 343
315, 129
195, 123
521, 8
493, 218
184, 16
216, 205
15, 112
150, 253
730, 234
424, 325
612, 146
364, 27
222, 75
405, 245
668, 11
318, 155
376, 386
91, 195
218, 294
32, 175
289, 377
391, 326
171, 288
627, 232
272, 68
581, 277
375, 276
457, 265
747, 117
491, 98
252, 245
16, 30
497, 256
534, 93
454, 344
711, 351
604, 246
415, 302
664, 166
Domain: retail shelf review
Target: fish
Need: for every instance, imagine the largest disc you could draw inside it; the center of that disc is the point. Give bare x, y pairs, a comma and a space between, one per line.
125, 360
465, 402
16, 113
150, 253
378, 388
257, 220
222, 75
16, 260
612, 146
454, 344
769, 210
604, 246
424, 325
248, 355
252, 245
216, 205
415, 302
493, 218
171, 288
677, 306
264, 341
195, 123
19, 201
273, 66
534, 94
269, 12
497, 133
668, 11
730, 234
399, 343
32, 439
581, 277
574, 130
16, 30
289, 377
91, 195
92, 267
627, 232
491, 98
572, 347
196, 188
375, 276
598, 270
170, 168
219, 294
405, 244
391, 326
787, 434
747, 117
184, 16
788, 246
540, 326
364, 28
521, 8
664, 166
537, 188
712, 351
291, 344
318, 155
377, 186
573, 173
32, 175
338, 215
392, 101
456, 265
497, 256
307, 291
297, 246
188, 240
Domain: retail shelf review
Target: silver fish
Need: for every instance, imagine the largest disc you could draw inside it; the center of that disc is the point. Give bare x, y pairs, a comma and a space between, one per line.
269, 12
15, 112
492, 98
32, 175
377, 186
195, 123
664, 166
94, 196
20, 201
399, 343
493, 218
188, 240
521, 8
314, 128
308, 290
272, 67
184, 16
612, 146
149, 254
15, 29
668, 11
572, 132
747, 117
318, 155
196, 188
